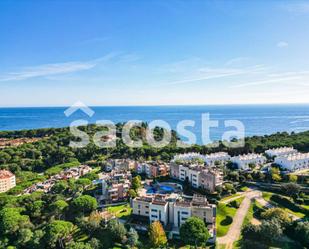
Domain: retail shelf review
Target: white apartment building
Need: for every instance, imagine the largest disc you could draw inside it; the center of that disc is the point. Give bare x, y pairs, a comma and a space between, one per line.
293, 162
189, 156
243, 161
159, 211
7, 180
275, 152
211, 159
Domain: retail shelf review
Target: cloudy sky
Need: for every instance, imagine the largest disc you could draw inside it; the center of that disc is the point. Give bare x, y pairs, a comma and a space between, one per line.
55, 53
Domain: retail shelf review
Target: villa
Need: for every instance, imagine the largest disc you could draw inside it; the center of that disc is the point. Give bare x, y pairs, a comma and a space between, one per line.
7, 180
189, 157
280, 151
243, 161
172, 211
293, 162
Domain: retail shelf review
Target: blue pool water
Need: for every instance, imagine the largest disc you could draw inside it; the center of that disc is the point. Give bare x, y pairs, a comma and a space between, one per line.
161, 190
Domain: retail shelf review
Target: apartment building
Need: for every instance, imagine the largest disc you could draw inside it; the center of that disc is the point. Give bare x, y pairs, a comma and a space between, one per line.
282, 151
115, 186
188, 157
7, 180
120, 164
152, 169
173, 211
243, 161
293, 162
197, 175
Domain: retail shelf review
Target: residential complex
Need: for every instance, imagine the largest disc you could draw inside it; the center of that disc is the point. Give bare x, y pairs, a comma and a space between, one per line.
172, 210
197, 175
66, 174
115, 186
280, 151
7, 180
212, 159
189, 157
243, 161
292, 162
153, 169
120, 164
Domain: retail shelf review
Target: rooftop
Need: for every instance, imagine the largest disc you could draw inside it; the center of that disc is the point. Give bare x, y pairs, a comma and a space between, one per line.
4, 174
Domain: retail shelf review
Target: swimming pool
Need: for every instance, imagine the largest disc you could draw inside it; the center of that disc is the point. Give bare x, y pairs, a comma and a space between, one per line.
163, 189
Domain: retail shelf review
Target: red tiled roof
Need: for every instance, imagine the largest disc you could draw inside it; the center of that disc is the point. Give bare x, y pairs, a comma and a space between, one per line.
5, 174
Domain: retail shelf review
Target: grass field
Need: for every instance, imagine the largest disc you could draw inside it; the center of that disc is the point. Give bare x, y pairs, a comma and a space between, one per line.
225, 216
121, 211
267, 196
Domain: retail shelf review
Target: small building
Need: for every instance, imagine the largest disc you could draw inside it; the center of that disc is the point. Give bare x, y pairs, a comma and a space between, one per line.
275, 152
7, 180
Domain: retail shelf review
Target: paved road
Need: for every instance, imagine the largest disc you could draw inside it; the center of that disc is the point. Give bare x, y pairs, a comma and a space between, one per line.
234, 231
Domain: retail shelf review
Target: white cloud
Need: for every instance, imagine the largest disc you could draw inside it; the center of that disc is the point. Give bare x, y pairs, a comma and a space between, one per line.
282, 44
53, 69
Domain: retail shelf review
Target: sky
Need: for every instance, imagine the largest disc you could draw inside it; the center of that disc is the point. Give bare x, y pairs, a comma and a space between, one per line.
117, 53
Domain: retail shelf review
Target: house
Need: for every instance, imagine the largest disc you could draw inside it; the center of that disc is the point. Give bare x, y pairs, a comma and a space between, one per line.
243, 161
7, 180
293, 162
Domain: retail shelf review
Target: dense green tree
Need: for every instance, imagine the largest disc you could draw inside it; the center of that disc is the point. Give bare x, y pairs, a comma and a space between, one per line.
84, 204
136, 182
58, 233
194, 232
116, 230
132, 238
11, 220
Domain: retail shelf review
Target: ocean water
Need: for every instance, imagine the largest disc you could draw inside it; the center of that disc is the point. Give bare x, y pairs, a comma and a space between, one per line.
257, 119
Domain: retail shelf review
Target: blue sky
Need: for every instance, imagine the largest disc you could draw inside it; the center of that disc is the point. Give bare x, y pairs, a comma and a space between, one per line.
55, 53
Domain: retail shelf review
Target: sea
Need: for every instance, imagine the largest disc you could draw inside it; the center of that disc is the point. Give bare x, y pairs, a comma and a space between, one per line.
256, 119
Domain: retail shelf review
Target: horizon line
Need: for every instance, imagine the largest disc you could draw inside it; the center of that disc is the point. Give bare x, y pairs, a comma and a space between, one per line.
163, 105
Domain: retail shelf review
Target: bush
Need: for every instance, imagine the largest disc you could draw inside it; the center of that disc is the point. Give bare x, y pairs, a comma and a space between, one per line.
234, 204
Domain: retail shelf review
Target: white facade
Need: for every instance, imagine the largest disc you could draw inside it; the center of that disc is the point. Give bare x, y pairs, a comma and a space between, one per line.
280, 151
181, 214
211, 159
293, 162
243, 161
159, 211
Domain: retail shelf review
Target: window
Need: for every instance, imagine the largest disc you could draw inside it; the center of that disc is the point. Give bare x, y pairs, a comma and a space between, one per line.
184, 212
154, 210
154, 216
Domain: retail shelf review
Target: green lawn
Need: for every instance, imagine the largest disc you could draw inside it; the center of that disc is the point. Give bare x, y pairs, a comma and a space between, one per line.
230, 197
225, 216
121, 211
267, 196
